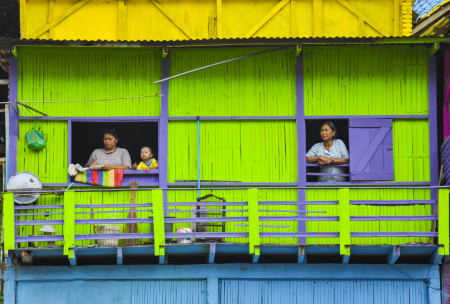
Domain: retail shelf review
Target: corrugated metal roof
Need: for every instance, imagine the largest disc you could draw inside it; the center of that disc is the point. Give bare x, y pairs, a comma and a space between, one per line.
231, 41
424, 7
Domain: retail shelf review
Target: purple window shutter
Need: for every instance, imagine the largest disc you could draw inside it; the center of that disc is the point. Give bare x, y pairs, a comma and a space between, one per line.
371, 153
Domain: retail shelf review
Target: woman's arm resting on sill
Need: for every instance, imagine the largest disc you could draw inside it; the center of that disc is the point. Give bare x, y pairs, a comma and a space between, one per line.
108, 167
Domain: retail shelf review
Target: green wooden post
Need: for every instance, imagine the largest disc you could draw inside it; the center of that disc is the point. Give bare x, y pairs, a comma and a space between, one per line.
9, 225
69, 224
344, 221
253, 221
158, 222
443, 233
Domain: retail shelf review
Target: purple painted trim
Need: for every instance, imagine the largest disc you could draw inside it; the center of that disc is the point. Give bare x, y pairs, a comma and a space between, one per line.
327, 174
304, 203
232, 184
370, 123
301, 144
140, 172
369, 116
39, 238
120, 211
39, 213
39, 207
298, 234
393, 234
164, 126
97, 119
316, 165
395, 218
385, 184
69, 146
124, 236
432, 110
395, 203
115, 206
13, 116
299, 218
233, 118
86, 185
35, 223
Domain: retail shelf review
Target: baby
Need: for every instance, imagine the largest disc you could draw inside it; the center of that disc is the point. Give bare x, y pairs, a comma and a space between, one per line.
148, 162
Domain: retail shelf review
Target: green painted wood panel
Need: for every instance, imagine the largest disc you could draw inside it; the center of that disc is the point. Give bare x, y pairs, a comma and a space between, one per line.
365, 80
49, 164
243, 151
411, 150
363, 210
262, 85
54, 74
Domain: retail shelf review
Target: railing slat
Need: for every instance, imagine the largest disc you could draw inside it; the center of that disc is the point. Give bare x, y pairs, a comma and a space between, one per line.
443, 221
395, 218
344, 221
9, 219
69, 224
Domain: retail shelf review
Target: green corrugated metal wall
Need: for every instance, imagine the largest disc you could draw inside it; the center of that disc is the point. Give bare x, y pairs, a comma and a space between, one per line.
244, 151
263, 85
54, 74
366, 80
49, 164
247, 151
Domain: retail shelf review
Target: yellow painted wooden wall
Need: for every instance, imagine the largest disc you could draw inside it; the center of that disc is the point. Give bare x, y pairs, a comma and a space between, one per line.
198, 19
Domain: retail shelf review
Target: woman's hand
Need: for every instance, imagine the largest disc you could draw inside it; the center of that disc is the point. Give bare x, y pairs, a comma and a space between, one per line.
107, 167
93, 164
134, 166
325, 160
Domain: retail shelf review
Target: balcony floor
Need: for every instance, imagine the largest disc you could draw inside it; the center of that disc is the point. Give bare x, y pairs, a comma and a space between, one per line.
201, 253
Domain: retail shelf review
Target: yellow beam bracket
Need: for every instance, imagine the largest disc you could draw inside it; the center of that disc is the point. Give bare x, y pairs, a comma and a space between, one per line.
8, 218
443, 218
253, 222
158, 222
434, 48
344, 221
69, 224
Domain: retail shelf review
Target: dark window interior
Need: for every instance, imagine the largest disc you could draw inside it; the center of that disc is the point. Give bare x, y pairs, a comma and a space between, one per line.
313, 137
88, 136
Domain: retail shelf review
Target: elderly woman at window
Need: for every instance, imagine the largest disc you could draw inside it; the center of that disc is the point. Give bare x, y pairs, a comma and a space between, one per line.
330, 152
110, 157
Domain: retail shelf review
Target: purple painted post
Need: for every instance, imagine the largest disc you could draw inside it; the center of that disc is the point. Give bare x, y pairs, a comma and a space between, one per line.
164, 129
447, 94
301, 144
13, 116
432, 121
69, 146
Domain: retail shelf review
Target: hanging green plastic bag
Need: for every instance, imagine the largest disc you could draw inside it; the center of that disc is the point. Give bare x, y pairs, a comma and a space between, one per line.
35, 138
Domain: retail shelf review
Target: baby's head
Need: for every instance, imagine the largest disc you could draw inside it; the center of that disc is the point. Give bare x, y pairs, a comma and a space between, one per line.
146, 153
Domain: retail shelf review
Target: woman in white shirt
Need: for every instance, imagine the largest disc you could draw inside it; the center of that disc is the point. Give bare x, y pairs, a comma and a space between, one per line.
330, 152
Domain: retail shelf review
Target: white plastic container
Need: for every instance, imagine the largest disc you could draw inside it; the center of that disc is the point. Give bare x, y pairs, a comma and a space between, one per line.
185, 240
106, 229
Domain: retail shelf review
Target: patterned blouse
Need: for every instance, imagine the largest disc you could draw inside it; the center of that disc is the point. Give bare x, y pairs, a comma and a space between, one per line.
337, 150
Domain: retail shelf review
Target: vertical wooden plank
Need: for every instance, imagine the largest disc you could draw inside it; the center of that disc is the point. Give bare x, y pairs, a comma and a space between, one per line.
219, 19
344, 221
432, 120
23, 19
293, 20
318, 16
253, 221
158, 222
443, 221
69, 223
9, 221
396, 17
51, 13
361, 27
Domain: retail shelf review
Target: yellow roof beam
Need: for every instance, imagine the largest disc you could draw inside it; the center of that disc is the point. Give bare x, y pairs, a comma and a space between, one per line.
266, 18
179, 25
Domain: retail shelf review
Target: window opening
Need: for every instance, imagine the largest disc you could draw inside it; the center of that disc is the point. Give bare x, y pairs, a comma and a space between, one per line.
313, 137
88, 136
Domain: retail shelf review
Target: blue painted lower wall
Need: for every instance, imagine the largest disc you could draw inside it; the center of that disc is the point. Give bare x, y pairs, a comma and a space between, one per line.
226, 283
